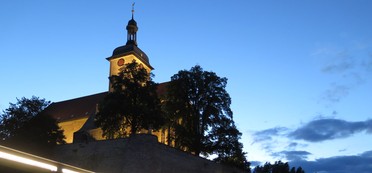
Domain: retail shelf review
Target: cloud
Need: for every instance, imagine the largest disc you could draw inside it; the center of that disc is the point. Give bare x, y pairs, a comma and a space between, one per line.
268, 134
348, 68
292, 155
255, 163
283, 143
341, 164
268, 139
328, 129
367, 63
294, 145
367, 154
361, 163
314, 131
341, 62
336, 92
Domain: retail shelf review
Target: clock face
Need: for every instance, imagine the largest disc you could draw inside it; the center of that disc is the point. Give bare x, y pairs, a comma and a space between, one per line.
121, 62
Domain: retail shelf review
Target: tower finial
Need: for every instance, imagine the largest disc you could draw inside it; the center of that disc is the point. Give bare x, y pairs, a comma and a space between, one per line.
133, 9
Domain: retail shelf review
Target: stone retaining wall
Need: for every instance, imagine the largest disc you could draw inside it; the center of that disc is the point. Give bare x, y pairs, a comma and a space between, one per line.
136, 154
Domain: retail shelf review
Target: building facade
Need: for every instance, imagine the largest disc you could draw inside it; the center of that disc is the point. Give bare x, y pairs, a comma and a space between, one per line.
76, 116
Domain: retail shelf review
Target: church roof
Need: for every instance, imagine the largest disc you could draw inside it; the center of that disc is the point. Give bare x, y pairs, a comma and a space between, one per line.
77, 108
83, 107
132, 22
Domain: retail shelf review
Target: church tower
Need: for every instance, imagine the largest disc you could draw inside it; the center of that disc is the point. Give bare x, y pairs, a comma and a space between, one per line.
129, 52
76, 116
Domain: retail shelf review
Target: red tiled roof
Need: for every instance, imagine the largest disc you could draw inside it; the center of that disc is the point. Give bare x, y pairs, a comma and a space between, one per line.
83, 107
75, 108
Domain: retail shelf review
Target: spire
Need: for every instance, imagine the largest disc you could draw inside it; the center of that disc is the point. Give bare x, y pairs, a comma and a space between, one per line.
132, 30
133, 9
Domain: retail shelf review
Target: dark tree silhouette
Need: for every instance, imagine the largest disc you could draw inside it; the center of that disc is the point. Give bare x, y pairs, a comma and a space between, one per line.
293, 170
133, 103
225, 143
280, 167
300, 170
277, 167
25, 127
198, 108
266, 168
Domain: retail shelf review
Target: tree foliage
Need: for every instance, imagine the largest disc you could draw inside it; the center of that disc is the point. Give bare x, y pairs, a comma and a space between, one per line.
225, 143
277, 167
133, 103
23, 126
198, 108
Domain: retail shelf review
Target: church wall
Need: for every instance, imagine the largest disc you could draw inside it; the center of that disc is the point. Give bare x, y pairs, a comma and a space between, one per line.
115, 67
70, 127
96, 134
161, 134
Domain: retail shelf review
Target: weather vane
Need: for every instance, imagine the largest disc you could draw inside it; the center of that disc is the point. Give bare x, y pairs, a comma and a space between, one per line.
133, 9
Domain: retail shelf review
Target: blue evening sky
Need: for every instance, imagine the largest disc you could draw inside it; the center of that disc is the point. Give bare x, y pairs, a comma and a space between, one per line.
299, 72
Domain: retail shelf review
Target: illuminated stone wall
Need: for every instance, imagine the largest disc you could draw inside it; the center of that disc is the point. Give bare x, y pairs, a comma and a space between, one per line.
138, 153
70, 127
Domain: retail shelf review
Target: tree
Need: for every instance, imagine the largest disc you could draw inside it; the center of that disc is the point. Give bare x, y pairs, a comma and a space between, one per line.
280, 167
25, 127
199, 104
225, 143
300, 170
277, 167
266, 168
293, 170
133, 103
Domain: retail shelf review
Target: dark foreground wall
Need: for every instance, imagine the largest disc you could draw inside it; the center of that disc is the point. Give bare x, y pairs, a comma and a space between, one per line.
137, 154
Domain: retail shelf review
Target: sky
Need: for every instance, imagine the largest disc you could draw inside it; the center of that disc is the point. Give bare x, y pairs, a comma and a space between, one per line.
299, 72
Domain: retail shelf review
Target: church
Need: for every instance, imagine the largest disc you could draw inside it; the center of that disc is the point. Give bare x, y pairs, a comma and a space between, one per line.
76, 116
148, 151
